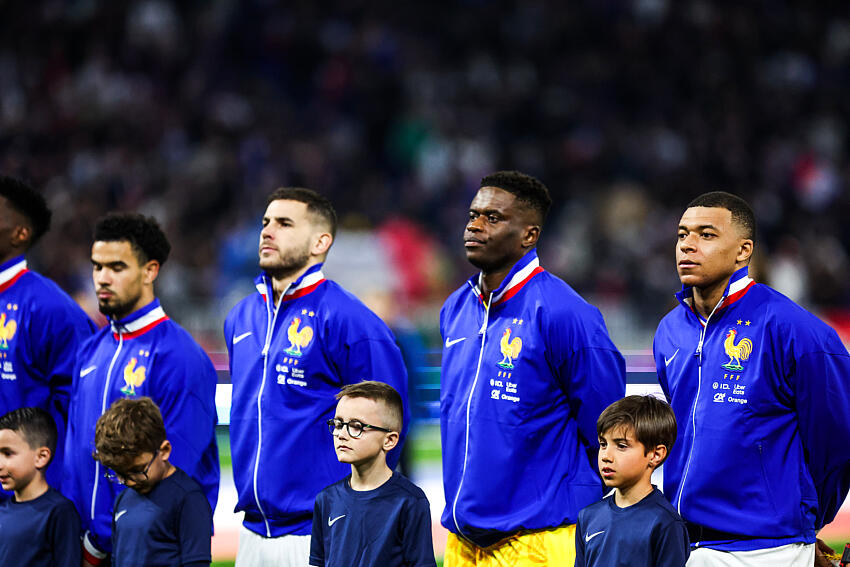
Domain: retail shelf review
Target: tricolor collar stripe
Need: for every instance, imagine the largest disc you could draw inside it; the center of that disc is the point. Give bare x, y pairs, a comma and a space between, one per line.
514, 289
307, 283
141, 325
11, 274
738, 286
519, 276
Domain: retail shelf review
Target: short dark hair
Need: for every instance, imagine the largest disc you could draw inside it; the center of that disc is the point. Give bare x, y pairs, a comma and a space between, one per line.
527, 189
378, 392
652, 420
34, 425
28, 202
742, 213
317, 204
143, 233
129, 428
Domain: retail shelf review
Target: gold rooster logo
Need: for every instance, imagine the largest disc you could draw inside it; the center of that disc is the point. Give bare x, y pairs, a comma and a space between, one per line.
298, 339
7, 331
510, 349
133, 377
736, 352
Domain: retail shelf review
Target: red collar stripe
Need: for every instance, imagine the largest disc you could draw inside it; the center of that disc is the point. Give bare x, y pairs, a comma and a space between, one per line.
11, 282
143, 330
515, 289
303, 291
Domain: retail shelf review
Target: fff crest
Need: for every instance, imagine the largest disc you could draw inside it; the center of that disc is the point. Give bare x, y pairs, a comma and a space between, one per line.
133, 377
7, 331
736, 351
298, 338
510, 349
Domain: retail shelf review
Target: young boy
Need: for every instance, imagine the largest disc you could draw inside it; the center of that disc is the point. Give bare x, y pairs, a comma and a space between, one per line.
165, 519
635, 525
373, 516
39, 526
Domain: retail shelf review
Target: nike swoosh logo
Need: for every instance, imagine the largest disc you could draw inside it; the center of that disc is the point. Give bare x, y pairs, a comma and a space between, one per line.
587, 538
119, 514
667, 361
86, 371
454, 342
332, 522
242, 336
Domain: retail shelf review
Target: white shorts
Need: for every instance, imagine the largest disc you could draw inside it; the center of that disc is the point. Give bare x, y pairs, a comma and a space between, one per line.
284, 551
791, 555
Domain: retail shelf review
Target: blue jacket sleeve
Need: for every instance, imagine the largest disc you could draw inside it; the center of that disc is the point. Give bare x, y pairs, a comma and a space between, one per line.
822, 395
416, 539
187, 404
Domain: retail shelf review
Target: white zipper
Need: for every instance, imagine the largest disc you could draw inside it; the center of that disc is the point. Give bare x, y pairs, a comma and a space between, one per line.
694, 408
483, 333
103, 411
271, 319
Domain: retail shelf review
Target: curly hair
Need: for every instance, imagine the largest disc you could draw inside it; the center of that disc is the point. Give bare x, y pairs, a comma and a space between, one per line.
143, 233
129, 428
378, 392
34, 425
29, 203
317, 204
527, 189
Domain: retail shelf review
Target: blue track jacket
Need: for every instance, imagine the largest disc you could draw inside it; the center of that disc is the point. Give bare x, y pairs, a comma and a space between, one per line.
287, 363
143, 354
41, 328
523, 383
760, 391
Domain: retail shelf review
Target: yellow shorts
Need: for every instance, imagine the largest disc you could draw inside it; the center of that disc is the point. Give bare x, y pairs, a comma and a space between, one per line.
555, 548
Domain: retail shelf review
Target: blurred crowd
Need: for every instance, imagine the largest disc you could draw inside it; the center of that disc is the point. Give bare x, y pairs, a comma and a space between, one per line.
194, 111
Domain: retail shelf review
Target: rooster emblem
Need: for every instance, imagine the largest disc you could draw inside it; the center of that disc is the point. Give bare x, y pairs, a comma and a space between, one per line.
298, 339
510, 349
736, 352
133, 377
7, 331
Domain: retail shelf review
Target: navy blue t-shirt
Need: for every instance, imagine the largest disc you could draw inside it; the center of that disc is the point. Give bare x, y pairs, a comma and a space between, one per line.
649, 533
389, 526
40, 532
169, 526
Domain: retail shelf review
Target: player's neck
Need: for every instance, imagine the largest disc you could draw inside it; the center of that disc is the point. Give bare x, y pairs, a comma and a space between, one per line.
282, 281
625, 496
707, 298
36, 487
371, 474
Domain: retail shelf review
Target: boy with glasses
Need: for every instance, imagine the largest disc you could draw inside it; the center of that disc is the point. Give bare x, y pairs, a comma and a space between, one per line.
165, 519
374, 516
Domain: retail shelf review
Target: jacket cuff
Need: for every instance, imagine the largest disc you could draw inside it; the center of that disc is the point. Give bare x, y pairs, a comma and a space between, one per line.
90, 553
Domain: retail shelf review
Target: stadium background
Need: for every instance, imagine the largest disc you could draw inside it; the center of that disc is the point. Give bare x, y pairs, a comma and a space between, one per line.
194, 111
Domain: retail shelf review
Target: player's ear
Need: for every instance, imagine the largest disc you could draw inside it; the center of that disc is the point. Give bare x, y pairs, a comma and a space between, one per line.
390, 440
151, 271
42, 457
165, 450
657, 456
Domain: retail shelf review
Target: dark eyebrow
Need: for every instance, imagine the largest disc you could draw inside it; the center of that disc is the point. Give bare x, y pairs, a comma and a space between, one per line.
117, 264
700, 227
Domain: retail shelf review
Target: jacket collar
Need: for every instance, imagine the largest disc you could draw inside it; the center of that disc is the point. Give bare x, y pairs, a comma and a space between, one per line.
139, 322
526, 268
738, 286
11, 270
306, 283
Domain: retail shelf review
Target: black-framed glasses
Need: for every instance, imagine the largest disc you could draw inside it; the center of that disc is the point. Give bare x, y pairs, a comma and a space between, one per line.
136, 476
355, 427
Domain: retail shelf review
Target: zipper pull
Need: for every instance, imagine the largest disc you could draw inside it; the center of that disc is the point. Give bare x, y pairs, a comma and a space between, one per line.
265, 351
